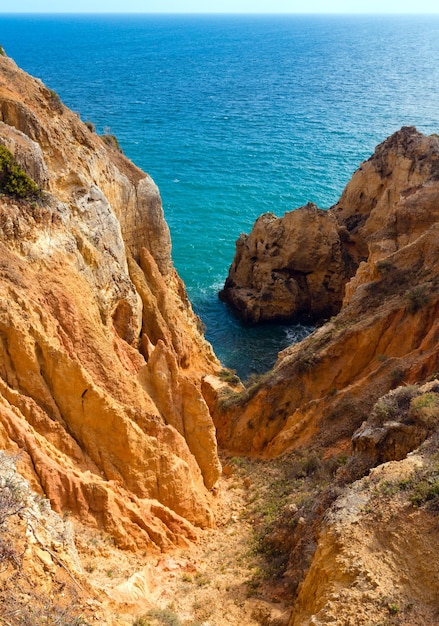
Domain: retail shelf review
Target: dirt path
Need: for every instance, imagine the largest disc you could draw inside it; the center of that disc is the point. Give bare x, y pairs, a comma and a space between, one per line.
211, 583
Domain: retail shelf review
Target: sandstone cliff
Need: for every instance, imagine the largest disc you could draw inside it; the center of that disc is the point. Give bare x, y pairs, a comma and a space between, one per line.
100, 353
386, 331
349, 394
297, 267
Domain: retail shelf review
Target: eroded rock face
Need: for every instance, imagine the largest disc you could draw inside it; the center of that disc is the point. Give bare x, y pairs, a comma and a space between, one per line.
288, 268
399, 422
386, 333
100, 354
299, 266
375, 556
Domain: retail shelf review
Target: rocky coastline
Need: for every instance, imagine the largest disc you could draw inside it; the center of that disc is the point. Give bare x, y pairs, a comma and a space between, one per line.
114, 410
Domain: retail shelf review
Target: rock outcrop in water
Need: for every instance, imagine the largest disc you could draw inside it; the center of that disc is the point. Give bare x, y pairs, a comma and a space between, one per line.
386, 332
100, 353
288, 268
298, 266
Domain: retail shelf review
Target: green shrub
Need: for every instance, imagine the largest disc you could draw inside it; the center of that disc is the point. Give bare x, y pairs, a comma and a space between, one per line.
426, 490
111, 141
416, 297
54, 101
229, 376
13, 180
2, 52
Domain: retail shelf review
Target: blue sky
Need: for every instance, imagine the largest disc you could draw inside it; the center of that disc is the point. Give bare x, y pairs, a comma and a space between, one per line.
221, 6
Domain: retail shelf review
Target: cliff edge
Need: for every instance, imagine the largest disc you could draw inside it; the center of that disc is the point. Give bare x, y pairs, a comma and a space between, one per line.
100, 352
385, 333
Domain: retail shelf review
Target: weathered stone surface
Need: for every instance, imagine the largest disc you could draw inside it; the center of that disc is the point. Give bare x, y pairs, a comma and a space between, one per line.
288, 268
386, 332
300, 265
89, 300
399, 422
376, 557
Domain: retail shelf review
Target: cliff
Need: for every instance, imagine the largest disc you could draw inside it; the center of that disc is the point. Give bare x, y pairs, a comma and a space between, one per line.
100, 352
359, 393
386, 331
107, 389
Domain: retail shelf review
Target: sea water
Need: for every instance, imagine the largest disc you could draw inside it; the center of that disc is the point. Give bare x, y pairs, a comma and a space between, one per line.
234, 116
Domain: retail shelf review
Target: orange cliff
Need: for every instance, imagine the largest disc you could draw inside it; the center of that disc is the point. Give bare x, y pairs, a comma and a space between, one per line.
382, 239
100, 352
107, 386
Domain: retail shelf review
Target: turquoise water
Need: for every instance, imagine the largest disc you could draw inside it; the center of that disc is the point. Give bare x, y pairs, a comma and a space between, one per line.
235, 116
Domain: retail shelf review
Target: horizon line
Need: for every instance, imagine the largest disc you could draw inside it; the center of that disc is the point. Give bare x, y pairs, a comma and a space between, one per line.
226, 13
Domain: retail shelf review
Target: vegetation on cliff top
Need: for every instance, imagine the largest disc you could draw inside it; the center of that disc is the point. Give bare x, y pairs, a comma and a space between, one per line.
13, 179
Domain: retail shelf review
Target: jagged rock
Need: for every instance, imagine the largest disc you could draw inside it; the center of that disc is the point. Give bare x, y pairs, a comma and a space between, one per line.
322, 389
299, 266
288, 268
88, 299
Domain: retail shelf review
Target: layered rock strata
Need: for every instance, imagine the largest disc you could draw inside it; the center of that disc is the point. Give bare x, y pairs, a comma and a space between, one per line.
100, 353
298, 266
386, 332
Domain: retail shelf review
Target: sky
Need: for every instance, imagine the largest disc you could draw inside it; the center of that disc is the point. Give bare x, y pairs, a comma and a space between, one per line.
221, 6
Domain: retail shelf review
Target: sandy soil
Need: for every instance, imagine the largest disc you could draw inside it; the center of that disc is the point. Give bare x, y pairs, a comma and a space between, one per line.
210, 583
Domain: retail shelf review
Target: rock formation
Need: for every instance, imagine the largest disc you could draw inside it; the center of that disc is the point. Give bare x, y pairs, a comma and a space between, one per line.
376, 557
100, 353
288, 268
298, 266
386, 331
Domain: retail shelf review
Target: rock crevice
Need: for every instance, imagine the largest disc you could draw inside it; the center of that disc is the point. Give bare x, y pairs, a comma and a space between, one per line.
88, 299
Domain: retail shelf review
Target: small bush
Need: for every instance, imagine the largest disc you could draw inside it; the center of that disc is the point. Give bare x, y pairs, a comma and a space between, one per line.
201, 579
229, 376
2, 52
111, 141
396, 377
13, 180
395, 404
416, 298
55, 101
167, 617
424, 409
91, 127
426, 490
141, 621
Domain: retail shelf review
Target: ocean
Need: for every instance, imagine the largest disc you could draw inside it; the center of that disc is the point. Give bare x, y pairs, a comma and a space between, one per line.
234, 116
